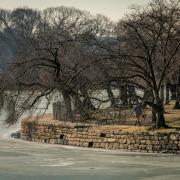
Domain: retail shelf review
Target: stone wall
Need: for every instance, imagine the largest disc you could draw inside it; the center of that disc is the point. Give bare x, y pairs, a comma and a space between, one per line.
85, 136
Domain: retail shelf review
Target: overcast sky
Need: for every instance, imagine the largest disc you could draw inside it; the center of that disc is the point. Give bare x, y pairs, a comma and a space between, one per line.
114, 9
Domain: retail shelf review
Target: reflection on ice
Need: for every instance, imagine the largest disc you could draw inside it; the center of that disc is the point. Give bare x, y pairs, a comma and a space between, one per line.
58, 165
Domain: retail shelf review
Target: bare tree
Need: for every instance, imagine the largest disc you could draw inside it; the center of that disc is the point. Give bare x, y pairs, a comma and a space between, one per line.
150, 47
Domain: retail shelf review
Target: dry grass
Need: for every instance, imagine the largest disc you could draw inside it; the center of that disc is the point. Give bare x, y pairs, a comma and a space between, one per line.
120, 128
172, 118
46, 119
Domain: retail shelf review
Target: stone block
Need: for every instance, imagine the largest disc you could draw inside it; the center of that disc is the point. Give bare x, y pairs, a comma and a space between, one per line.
174, 137
156, 148
143, 142
149, 148
107, 145
85, 144
115, 145
148, 142
102, 145
142, 147
155, 142
122, 141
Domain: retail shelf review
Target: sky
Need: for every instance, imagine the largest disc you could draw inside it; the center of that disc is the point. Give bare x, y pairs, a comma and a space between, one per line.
115, 9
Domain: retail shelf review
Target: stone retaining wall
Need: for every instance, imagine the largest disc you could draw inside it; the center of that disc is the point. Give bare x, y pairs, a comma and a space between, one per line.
109, 139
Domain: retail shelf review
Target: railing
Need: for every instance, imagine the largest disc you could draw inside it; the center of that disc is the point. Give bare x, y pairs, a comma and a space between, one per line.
110, 115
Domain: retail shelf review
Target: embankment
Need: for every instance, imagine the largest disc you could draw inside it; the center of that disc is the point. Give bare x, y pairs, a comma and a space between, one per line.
106, 137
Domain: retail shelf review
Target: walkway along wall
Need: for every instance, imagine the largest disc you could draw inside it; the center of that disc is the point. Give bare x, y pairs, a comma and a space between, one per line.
84, 136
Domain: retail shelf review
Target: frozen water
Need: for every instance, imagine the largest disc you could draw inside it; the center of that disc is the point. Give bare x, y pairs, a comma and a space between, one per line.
34, 161
21, 160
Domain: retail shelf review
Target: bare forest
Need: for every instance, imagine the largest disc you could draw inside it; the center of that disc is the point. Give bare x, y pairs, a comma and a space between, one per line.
77, 57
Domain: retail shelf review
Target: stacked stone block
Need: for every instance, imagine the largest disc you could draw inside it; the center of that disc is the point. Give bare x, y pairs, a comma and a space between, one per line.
153, 142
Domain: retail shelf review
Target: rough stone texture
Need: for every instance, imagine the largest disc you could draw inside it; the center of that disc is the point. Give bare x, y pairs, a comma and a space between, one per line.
85, 136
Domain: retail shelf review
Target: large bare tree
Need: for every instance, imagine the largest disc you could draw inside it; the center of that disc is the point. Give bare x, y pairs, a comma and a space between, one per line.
150, 43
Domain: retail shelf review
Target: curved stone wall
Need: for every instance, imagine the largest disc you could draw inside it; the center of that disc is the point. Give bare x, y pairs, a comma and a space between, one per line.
84, 136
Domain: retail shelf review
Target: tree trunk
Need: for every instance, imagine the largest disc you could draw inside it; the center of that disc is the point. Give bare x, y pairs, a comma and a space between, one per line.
81, 108
59, 111
154, 117
167, 94
124, 95
67, 101
177, 104
132, 95
162, 94
1, 100
158, 119
111, 95
87, 101
172, 89
76, 104
159, 108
